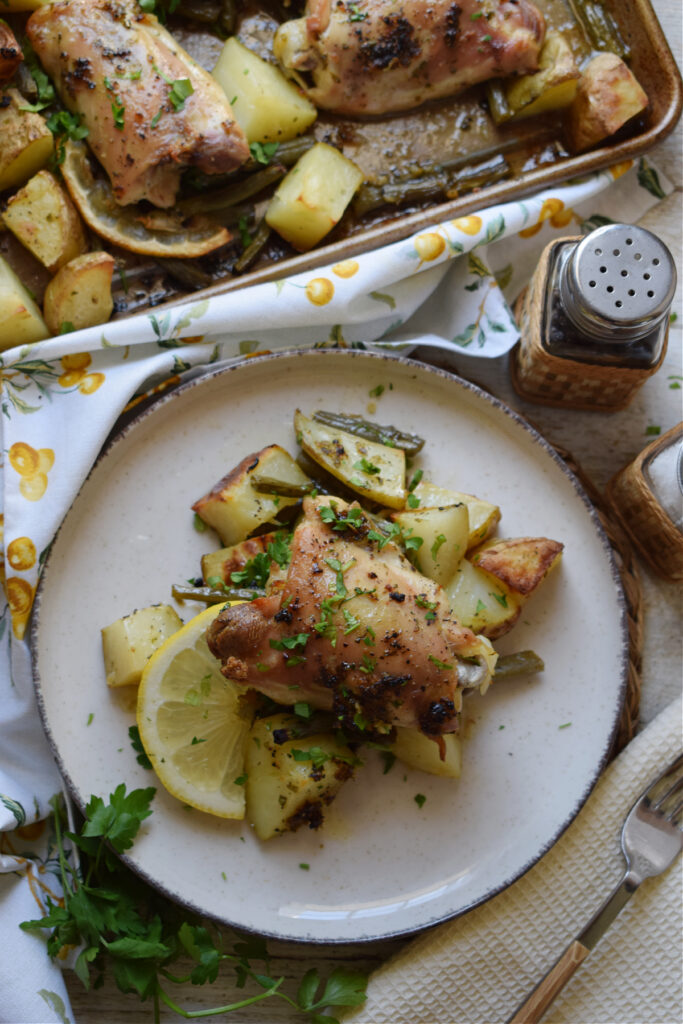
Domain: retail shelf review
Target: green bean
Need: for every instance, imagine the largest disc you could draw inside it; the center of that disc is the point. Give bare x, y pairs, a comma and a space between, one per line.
518, 663
287, 153
388, 435
269, 485
484, 174
499, 107
600, 27
323, 482
211, 595
227, 20
233, 194
186, 272
252, 251
206, 12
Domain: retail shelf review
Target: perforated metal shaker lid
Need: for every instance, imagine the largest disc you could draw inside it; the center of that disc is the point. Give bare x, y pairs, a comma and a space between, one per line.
618, 283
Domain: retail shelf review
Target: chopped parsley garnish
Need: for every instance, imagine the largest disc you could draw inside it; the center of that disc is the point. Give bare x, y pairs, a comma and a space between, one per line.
315, 754
367, 467
65, 125
351, 519
360, 721
136, 744
367, 664
180, 90
420, 799
379, 390
340, 587
653, 431
501, 599
157, 117
352, 622
565, 725
199, 524
440, 664
91, 716
389, 758
241, 779
289, 643
412, 543
263, 152
303, 709
440, 540
304, 866
481, 607
413, 501
393, 533
325, 627
417, 476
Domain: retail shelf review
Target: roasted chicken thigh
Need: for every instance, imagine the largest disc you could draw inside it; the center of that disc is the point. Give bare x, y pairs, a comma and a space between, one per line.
378, 56
150, 110
353, 628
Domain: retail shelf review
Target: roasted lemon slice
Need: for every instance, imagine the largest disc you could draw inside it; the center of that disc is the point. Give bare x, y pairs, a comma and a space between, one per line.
159, 233
193, 722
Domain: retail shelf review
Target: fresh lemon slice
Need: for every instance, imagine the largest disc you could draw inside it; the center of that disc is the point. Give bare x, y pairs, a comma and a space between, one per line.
192, 722
127, 226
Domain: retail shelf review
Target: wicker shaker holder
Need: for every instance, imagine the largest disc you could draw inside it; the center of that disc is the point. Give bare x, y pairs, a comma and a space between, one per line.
548, 379
631, 496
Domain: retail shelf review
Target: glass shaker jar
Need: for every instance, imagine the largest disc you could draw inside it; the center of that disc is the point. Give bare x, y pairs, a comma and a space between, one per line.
594, 319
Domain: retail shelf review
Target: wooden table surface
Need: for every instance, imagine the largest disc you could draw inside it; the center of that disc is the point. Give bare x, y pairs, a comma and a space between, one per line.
602, 444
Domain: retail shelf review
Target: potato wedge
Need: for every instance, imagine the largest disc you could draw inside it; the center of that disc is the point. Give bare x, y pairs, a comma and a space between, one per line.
415, 749
220, 564
520, 563
552, 87
483, 515
234, 508
479, 601
26, 141
373, 470
608, 96
267, 106
79, 295
444, 532
21, 321
311, 199
290, 781
129, 643
43, 218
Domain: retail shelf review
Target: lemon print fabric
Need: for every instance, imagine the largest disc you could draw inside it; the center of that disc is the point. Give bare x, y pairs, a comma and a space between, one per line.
193, 722
33, 466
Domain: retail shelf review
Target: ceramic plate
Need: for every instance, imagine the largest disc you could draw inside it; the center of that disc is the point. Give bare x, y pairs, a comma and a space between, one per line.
381, 865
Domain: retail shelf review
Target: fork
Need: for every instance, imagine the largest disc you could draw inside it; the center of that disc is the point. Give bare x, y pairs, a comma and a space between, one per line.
651, 839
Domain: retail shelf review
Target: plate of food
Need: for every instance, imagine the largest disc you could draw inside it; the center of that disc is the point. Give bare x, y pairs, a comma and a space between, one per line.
368, 628
210, 145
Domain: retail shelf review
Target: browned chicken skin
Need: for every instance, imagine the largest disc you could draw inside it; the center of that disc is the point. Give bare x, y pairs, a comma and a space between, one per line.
352, 629
377, 56
117, 67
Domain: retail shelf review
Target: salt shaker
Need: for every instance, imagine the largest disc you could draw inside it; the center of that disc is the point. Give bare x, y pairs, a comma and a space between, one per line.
594, 320
647, 496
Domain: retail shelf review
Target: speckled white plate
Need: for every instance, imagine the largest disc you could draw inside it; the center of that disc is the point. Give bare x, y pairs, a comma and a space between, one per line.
381, 865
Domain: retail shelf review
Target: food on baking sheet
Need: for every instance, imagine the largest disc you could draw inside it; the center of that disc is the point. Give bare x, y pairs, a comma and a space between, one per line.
150, 110
377, 56
188, 148
335, 626
609, 95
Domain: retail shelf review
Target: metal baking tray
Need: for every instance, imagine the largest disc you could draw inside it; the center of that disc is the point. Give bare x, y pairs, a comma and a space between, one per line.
429, 134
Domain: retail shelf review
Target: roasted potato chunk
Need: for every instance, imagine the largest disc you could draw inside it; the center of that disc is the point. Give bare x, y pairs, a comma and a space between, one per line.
26, 141
129, 643
79, 295
552, 87
483, 516
608, 96
235, 509
220, 564
311, 199
444, 533
44, 219
21, 321
291, 780
417, 750
373, 470
268, 107
520, 563
479, 601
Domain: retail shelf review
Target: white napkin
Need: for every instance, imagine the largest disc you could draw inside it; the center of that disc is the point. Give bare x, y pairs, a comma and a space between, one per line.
60, 399
478, 968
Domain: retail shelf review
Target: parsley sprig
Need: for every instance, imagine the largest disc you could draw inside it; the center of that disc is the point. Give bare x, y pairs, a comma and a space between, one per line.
128, 929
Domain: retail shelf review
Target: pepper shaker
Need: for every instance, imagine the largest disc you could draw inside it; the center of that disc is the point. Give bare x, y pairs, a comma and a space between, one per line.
647, 496
594, 319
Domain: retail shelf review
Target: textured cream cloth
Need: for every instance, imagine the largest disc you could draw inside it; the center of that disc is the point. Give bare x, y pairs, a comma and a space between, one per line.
479, 967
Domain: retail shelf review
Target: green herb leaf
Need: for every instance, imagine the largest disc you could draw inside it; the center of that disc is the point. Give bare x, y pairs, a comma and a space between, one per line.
136, 744
263, 152
420, 799
440, 664
180, 90
120, 820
